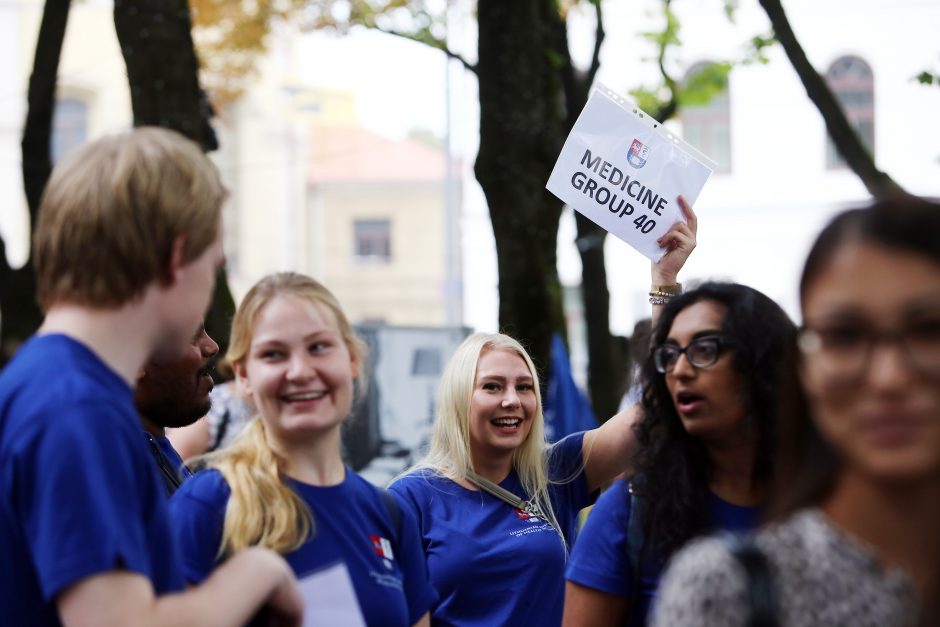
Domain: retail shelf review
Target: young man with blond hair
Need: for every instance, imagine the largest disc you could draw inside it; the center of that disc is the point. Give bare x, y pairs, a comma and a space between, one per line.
127, 247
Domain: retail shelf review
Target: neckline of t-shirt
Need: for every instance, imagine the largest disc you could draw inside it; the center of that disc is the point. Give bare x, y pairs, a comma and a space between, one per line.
324, 488
734, 506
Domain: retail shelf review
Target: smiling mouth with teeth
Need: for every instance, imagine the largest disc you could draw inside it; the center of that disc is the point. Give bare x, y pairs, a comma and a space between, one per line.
507, 422
305, 396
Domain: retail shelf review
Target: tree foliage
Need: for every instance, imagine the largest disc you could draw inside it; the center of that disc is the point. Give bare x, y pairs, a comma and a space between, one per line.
231, 37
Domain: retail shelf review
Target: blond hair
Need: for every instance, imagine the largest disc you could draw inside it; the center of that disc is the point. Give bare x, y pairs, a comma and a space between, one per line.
449, 453
111, 212
262, 509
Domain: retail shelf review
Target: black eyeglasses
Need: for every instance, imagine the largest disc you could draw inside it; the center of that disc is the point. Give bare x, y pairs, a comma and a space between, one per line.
701, 352
843, 352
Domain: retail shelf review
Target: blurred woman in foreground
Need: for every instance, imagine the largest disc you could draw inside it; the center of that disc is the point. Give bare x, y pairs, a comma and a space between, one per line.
857, 537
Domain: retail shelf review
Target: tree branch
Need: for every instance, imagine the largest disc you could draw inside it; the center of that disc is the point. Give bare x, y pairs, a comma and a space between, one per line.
846, 140
599, 35
434, 44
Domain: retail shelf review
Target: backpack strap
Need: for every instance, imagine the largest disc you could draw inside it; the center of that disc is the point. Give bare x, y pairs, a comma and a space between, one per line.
634, 552
761, 593
394, 512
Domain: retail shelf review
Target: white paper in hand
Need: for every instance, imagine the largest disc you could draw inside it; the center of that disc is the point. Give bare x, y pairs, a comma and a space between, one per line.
623, 170
329, 598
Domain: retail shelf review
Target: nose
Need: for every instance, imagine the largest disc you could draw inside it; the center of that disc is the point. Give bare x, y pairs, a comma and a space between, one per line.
300, 367
207, 346
888, 370
511, 399
683, 368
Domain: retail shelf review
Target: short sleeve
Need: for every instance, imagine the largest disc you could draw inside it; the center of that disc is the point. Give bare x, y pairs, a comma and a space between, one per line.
703, 586
197, 514
600, 558
568, 489
419, 592
84, 486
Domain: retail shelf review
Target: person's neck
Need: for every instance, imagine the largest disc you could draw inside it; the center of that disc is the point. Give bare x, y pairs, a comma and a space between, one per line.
493, 467
732, 472
315, 460
899, 521
152, 428
122, 338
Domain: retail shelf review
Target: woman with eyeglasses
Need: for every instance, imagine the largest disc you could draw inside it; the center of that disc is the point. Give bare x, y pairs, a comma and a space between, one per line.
856, 532
710, 402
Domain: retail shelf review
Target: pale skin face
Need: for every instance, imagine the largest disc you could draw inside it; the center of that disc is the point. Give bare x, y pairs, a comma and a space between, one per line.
298, 370
709, 400
502, 406
187, 298
886, 426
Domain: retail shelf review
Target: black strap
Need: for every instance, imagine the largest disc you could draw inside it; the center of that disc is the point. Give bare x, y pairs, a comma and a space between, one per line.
171, 477
761, 594
221, 429
394, 511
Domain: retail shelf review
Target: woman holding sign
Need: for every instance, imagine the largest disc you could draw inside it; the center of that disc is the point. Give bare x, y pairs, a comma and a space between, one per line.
496, 505
710, 401
282, 483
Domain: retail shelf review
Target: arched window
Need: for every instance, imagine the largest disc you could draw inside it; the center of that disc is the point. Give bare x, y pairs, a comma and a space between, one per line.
853, 85
708, 126
69, 126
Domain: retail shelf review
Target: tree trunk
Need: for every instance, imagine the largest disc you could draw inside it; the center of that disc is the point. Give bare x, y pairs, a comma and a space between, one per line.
162, 69
519, 141
163, 73
21, 314
844, 137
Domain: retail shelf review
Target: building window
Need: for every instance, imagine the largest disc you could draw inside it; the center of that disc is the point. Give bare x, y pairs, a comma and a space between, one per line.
69, 127
373, 240
853, 85
708, 126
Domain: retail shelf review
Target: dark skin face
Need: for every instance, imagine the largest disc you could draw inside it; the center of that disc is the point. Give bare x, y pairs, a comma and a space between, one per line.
176, 393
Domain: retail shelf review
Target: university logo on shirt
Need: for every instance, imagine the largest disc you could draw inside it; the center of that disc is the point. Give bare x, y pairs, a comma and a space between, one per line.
526, 516
638, 154
382, 547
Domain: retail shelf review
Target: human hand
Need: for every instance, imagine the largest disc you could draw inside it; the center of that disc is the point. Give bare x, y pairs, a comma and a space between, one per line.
680, 242
284, 607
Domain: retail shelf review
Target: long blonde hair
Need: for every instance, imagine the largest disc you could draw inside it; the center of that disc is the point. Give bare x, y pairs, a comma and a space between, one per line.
262, 509
449, 453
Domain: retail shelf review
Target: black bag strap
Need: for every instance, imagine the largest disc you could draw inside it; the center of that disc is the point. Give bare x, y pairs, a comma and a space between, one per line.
761, 593
394, 512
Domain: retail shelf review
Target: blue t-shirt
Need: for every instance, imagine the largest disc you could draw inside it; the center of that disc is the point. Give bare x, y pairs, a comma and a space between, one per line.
490, 564
79, 494
352, 525
600, 559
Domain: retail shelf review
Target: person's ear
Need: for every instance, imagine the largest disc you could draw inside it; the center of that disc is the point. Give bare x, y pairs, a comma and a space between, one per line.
171, 271
241, 378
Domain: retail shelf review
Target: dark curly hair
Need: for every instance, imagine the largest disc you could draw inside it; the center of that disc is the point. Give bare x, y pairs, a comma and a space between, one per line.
672, 467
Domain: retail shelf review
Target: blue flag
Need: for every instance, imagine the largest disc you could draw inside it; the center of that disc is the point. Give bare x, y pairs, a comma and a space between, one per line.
566, 408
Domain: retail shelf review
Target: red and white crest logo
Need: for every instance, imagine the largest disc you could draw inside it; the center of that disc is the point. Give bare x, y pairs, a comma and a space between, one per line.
382, 547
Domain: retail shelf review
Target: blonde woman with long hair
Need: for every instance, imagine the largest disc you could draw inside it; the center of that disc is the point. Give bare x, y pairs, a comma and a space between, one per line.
282, 484
496, 553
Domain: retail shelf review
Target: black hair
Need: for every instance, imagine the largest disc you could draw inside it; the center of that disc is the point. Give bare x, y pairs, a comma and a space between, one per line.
808, 466
672, 467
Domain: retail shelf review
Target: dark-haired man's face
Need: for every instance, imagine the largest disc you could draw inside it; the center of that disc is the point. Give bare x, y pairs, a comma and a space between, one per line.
176, 393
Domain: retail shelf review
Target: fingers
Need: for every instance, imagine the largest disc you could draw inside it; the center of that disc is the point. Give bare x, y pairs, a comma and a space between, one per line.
690, 217
680, 231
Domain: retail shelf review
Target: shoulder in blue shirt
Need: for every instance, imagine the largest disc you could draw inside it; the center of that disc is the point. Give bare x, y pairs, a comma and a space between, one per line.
491, 564
601, 557
79, 494
352, 525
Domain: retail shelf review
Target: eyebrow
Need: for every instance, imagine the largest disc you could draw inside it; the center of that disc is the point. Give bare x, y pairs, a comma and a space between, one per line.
698, 335
499, 377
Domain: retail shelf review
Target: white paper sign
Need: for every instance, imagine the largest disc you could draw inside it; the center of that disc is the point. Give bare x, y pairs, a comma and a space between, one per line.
329, 598
623, 170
